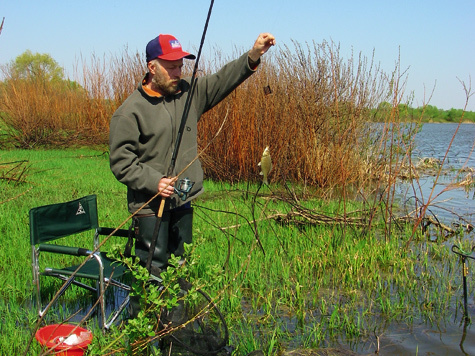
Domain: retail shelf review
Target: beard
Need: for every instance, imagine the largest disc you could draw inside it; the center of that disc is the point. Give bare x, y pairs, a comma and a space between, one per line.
162, 85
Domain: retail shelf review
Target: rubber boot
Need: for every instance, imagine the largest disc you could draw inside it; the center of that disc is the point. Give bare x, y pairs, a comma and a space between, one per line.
181, 231
144, 228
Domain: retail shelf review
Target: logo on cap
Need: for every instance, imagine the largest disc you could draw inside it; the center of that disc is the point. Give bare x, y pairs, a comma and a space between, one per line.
175, 44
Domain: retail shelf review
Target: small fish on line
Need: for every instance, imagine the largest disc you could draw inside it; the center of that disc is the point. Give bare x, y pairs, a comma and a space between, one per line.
266, 165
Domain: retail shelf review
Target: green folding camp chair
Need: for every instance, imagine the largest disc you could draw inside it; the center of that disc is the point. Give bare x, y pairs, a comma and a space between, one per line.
59, 221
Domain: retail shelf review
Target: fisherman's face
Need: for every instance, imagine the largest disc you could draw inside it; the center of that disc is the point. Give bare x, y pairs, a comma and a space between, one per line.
166, 76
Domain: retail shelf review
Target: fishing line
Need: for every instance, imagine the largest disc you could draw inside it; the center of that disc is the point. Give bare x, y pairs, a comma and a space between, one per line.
276, 20
190, 94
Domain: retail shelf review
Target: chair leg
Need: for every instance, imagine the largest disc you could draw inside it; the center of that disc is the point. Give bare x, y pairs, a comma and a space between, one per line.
117, 313
65, 286
101, 288
75, 282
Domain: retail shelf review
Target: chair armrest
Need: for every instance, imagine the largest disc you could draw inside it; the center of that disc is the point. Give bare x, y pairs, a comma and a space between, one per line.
68, 250
109, 230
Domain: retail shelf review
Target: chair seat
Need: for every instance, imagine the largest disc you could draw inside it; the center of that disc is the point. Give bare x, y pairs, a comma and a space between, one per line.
90, 269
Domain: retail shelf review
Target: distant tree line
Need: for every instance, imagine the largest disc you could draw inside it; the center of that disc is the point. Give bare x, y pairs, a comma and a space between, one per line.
431, 113
428, 113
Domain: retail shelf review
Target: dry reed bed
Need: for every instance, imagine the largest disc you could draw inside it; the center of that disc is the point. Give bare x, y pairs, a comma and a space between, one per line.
315, 120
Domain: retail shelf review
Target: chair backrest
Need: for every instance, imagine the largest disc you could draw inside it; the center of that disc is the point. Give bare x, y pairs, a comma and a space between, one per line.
51, 222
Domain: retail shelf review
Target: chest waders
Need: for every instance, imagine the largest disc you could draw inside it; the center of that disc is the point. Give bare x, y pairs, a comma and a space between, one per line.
175, 230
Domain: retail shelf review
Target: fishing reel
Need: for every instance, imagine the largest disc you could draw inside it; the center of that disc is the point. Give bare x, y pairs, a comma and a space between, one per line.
184, 187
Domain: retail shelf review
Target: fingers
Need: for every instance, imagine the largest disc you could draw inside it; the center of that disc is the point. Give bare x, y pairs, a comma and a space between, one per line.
263, 42
165, 187
268, 39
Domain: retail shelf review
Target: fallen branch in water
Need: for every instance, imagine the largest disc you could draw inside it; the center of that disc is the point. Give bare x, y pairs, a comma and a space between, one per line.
305, 217
431, 220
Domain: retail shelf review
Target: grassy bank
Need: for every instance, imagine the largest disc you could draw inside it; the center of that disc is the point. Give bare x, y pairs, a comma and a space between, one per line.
325, 274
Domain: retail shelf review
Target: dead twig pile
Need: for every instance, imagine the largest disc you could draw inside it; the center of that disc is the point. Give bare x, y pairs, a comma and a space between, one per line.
14, 172
303, 216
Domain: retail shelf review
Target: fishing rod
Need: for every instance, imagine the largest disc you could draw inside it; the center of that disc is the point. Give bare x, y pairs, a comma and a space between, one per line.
464, 255
171, 167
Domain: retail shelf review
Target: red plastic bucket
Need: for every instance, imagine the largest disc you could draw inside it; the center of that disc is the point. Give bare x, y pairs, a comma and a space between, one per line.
61, 339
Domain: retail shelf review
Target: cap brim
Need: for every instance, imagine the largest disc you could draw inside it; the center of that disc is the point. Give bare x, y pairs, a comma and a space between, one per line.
174, 56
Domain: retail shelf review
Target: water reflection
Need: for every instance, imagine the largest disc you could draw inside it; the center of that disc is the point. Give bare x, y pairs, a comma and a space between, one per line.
448, 339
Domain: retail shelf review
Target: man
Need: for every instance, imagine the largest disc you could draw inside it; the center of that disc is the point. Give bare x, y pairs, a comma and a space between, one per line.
143, 131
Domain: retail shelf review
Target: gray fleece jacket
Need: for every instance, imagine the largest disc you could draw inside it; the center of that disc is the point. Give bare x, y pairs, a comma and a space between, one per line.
143, 131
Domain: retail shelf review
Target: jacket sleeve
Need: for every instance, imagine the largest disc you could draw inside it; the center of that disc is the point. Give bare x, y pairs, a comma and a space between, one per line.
124, 161
213, 88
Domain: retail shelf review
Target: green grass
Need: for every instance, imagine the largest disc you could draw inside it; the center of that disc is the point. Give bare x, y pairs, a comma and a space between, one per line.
309, 286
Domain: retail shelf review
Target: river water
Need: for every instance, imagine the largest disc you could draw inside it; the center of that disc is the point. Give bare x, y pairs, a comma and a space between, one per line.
453, 146
454, 205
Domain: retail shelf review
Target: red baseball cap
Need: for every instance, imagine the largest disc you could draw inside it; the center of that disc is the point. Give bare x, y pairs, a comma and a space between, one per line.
166, 47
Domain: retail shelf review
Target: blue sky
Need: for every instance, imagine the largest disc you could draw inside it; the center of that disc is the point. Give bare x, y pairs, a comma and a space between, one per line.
435, 39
